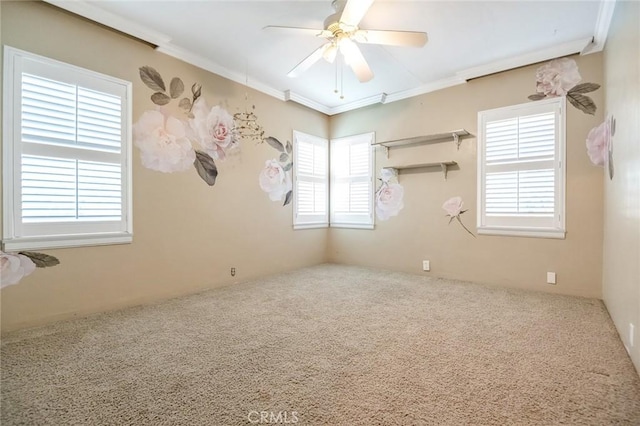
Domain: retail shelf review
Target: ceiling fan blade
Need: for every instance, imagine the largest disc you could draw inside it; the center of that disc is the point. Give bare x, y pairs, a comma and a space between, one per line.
353, 57
298, 31
330, 53
354, 11
309, 61
391, 38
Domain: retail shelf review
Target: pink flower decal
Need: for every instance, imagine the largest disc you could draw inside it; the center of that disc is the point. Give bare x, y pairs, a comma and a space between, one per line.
453, 207
163, 142
598, 141
274, 180
14, 268
213, 128
557, 77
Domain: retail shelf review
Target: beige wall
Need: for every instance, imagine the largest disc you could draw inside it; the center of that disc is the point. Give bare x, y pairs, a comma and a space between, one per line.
621, 265
421, 230
187, 235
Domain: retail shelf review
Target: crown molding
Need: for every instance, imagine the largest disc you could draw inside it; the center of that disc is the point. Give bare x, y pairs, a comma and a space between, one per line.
601, 30
564, 49
111, 20
163, 44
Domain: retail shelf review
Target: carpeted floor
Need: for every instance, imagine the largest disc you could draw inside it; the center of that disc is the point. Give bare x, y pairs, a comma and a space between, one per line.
328, 345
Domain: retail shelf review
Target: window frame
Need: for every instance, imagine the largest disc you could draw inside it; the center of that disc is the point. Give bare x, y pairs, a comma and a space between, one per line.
558, 228
320, 220
58, 234
349, 219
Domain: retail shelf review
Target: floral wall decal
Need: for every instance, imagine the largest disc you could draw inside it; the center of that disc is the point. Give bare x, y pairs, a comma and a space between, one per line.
16, 266
560, 77
166, 143
597, 143
389, 197
247, 125
275, 177
453, 207
600, 145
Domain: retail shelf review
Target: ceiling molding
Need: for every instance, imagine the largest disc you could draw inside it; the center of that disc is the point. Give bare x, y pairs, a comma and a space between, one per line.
108, 19
601, 30
425, 88
294, 97
211, 66
164, 45
565, 49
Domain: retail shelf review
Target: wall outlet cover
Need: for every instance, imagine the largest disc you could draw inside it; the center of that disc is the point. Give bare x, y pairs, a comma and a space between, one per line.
426, 265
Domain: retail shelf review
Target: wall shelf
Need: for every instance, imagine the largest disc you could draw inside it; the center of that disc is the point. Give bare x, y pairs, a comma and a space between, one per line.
454, 135
443, 165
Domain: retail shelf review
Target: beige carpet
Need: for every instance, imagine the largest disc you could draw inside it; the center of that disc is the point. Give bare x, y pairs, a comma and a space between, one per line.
328, 345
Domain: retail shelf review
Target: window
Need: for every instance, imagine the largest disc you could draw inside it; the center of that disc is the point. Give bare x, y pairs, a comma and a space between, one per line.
311, 185
352, 182
66, 155
521, 170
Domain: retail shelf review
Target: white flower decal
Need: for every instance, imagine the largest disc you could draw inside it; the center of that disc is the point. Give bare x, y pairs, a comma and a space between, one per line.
14, 268
389, 200
163, 143
557, 77
598, 141
213, 129
274, 180
453, 207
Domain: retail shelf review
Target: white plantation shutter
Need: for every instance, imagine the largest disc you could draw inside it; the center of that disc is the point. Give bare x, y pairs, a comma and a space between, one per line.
352, 181
67, 175
521, 169
311, 185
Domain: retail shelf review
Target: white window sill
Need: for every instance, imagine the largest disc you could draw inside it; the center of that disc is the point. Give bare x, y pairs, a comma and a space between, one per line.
352, 225
40, 243
310, 225
558, 234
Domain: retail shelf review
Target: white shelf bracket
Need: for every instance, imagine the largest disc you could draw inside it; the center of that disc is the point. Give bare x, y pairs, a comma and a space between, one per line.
444, 170
456, 139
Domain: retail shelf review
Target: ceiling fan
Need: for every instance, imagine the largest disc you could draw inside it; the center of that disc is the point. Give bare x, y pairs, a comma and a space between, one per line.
342, 33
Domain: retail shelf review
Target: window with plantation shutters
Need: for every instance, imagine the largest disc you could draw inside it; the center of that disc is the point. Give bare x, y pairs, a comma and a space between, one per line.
352, 182
67, 170
521, 174
311, 181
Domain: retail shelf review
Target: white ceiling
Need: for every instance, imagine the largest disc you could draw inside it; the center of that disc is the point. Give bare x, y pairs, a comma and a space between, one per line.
467, 39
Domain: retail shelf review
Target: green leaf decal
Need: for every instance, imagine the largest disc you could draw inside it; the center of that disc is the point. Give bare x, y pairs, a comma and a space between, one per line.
40, 259
185, 103
176, 87
585, 88
160, 98
288, 198
206, 167
288, 147
582, 102
284, 158
152, 79
287, 167
536, 97
275, 143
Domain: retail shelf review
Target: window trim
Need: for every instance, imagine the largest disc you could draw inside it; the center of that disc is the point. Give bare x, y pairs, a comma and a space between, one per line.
12, 146
558, 231
369, 138
323, 222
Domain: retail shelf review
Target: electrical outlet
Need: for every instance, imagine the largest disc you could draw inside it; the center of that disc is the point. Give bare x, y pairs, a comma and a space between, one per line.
631, 330
551, 277
426, 266
233, 272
